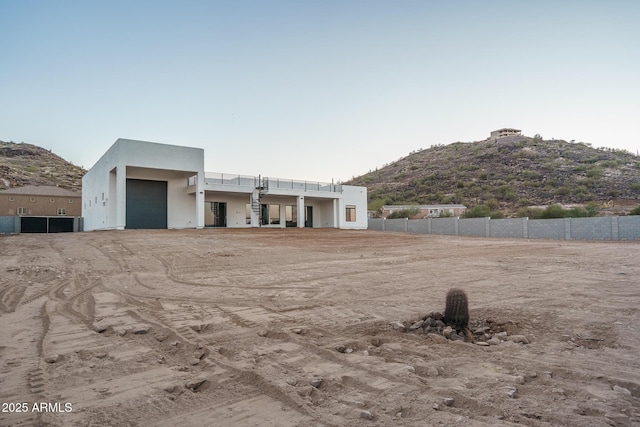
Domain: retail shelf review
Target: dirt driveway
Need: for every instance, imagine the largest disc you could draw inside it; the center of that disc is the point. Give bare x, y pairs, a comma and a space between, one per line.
296, 328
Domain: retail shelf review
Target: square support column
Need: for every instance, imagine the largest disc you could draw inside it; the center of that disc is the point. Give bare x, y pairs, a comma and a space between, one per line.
121, 198
301, 212
200, 201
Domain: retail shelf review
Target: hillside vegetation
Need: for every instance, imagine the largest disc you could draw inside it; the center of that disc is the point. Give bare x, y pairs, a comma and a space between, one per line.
508, 175
26, 164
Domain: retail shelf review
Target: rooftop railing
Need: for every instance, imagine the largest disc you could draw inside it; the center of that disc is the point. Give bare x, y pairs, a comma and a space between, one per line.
270, 183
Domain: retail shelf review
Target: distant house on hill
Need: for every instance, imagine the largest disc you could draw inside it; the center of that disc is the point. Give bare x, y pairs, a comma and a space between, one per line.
501, 133
425, 211
39, 208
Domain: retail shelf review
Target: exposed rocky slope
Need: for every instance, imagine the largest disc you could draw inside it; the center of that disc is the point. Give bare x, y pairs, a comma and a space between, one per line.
508, 173
26, 164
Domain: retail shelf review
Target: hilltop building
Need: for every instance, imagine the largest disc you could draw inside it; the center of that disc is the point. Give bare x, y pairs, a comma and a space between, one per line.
139, 184
501, 133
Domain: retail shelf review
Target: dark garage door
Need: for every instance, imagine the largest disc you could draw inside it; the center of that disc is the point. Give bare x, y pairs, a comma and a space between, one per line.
146, 204
44, 224
33, 224
60, 225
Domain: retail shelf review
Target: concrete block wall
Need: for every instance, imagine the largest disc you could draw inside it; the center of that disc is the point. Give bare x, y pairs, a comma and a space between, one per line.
595, 228
512, 227
376, 224
629, 228
474, 227
9, 224
421, 227
546, 228
447, 226
398, 224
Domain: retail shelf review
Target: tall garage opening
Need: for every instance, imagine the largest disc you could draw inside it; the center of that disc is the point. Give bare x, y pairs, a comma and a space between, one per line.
146, 204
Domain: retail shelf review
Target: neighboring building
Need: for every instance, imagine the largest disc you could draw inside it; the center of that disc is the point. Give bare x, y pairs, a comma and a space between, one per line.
40, 209
501, 133
139, 184
426, 211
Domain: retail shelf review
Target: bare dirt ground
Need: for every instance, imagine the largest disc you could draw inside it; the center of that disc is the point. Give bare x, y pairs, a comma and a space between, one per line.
292, 328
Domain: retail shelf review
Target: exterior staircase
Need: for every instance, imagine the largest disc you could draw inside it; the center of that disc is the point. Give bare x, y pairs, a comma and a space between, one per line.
262, 189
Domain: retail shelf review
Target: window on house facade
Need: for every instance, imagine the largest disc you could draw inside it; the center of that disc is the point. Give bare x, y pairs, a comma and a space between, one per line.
32, 199
247, 213
351, 213
274, 214
12, 199
70, 201
62, 211
22, 211
52, 200
291, 215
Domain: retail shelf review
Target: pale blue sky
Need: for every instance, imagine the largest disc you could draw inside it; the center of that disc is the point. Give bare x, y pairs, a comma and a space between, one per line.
315, 90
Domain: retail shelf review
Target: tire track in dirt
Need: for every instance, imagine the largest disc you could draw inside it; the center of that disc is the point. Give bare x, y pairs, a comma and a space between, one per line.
215, 358
10, 296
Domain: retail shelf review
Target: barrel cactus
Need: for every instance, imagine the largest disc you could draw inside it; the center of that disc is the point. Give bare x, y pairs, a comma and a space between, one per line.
456, 312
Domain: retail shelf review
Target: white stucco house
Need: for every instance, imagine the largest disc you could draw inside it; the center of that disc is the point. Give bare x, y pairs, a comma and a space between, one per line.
139, 184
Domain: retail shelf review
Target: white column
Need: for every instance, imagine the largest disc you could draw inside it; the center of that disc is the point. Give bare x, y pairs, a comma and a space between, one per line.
121, 197
200, 201
301, 212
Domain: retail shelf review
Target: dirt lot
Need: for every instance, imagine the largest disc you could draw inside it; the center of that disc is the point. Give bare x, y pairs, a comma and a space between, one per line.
292, 328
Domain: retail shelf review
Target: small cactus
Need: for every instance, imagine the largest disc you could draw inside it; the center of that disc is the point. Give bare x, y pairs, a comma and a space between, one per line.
456, 312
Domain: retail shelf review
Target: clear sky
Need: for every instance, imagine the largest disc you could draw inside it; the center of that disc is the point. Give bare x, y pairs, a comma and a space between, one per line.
315, 90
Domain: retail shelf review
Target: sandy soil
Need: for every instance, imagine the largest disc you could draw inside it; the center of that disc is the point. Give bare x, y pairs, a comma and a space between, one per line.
292, 328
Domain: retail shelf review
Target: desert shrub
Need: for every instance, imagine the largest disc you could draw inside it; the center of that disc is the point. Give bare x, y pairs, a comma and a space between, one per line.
478, 211
553, 211
405, 213
557, 211
496, 214
635, 211
531, 213
376, 205
594, 172
492, 204
581, 190
530, 174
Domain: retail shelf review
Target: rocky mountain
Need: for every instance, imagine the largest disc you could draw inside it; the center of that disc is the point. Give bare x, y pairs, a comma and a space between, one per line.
508, 174
26, 164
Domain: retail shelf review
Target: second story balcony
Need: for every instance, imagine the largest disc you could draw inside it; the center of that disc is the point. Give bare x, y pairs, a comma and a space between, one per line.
247, 183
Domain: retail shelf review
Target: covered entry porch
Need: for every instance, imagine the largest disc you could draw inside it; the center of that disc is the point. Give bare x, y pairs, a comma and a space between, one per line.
222, 209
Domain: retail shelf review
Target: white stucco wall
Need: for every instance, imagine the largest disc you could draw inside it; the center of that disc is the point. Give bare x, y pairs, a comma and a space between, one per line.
353, 196
143, 160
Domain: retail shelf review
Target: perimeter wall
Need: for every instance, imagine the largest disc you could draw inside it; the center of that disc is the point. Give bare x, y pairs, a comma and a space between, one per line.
595, 228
